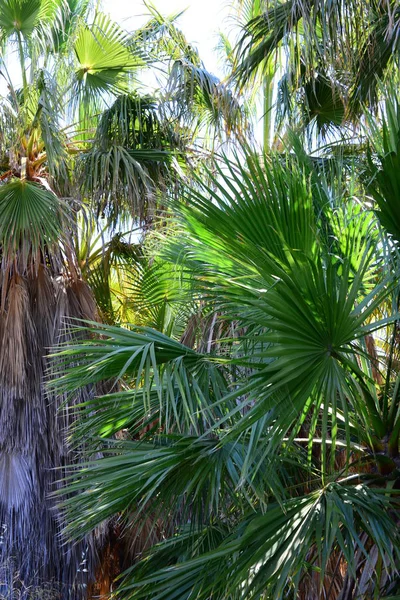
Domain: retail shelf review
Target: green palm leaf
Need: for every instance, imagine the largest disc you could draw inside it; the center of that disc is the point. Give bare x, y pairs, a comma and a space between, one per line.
379, 49
268, 555
131, 157
194, 476
21, 17
198, 95
382, 171
186, 382
32, 219
103, 58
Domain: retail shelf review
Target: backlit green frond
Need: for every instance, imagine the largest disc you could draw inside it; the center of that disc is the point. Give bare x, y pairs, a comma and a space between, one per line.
32, 220
21, 17
103, 59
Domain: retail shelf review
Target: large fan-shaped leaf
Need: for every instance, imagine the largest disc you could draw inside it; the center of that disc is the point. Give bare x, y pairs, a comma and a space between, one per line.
267, 421
103, 58
323, 105
20, 17
255, 209
177, 469
268, 555
31, 218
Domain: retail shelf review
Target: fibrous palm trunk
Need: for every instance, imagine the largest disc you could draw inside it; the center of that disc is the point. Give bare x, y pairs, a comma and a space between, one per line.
35, 559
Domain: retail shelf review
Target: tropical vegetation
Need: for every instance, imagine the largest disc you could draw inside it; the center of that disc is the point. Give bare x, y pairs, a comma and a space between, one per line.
200, 344
85, 150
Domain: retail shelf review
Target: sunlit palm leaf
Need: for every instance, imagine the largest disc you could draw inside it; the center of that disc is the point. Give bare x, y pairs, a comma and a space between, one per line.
186, 382
21, 17
161, 297
103, 59
32, 218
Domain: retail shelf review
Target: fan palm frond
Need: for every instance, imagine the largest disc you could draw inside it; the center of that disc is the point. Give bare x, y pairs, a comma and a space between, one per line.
104, 60
131, 159
216, 107
378, 50
183, 378
32, 219
21, 17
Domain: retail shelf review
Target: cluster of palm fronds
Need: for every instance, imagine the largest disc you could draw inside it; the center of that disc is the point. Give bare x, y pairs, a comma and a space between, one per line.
265, 462
241, 438
80, 142
328, 57
249, 446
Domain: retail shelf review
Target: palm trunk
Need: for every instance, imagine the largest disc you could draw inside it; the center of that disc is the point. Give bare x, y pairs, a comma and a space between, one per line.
35, 561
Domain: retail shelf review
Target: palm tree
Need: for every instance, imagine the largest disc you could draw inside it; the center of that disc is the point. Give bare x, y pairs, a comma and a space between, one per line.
267, 462
79, 142
330, 54
74, 131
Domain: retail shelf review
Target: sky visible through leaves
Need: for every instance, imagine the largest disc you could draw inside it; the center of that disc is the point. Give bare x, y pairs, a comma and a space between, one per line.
200, 22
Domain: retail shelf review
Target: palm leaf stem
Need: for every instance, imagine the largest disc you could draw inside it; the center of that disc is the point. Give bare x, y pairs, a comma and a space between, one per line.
22, 63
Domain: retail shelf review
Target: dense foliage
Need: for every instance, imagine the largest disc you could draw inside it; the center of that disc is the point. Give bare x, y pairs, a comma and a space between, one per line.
251, 446
265, 460
84, 150
220, 416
